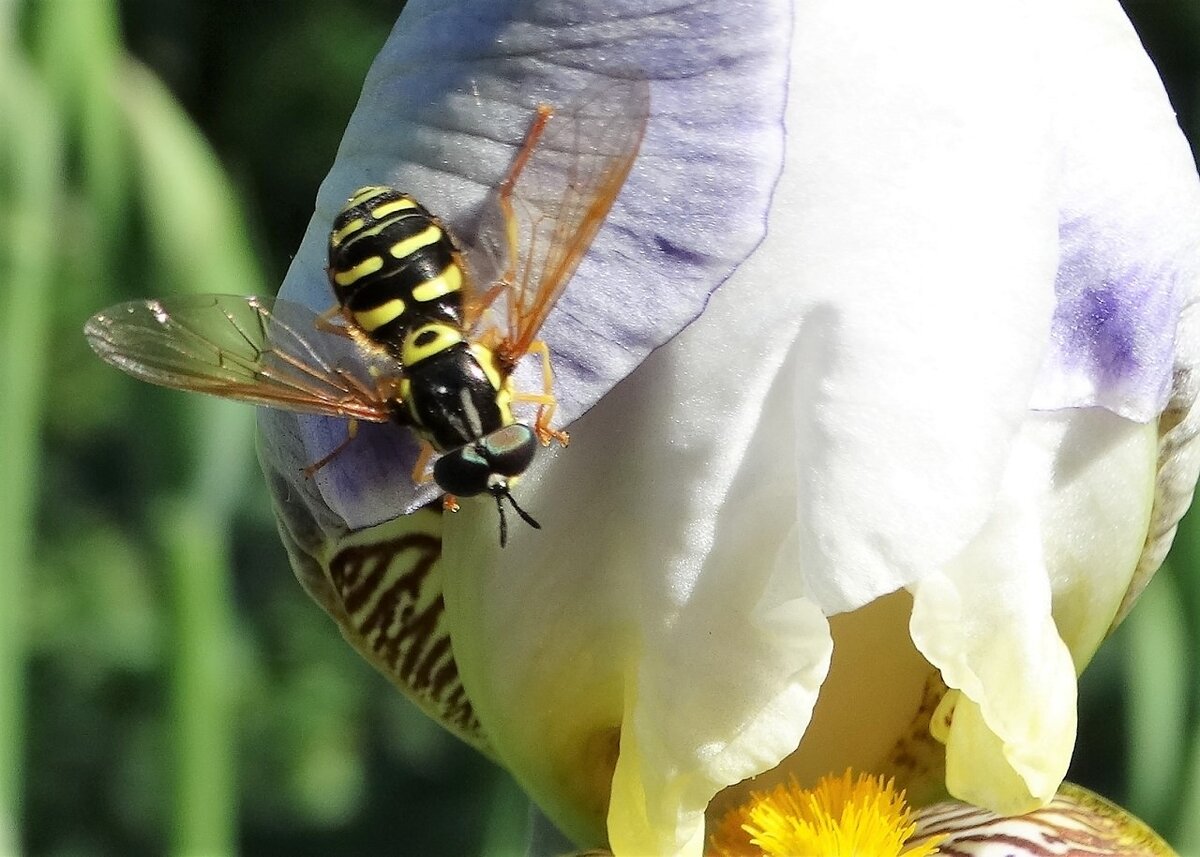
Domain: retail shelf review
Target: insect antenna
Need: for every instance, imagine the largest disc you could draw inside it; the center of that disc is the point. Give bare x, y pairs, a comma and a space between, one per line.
503, 521
525, 516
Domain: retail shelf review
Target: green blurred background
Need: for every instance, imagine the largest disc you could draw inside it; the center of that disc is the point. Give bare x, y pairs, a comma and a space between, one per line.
165, 685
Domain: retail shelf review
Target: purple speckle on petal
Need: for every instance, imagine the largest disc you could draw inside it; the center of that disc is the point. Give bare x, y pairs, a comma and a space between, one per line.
1110, 334
677, 252
1113, 330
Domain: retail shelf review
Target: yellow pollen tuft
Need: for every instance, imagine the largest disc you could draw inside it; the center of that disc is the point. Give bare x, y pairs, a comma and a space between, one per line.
839, 817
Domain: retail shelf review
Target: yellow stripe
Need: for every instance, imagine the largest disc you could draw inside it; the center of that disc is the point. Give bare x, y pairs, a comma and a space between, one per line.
450, 280
364, 193
424, 238
390, 207
445, 335
373, 319
486, 358
406, 397
353, 226
502, 385
362, 269
379, 227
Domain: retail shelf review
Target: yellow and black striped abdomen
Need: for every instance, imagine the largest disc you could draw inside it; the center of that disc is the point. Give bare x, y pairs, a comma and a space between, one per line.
393, 266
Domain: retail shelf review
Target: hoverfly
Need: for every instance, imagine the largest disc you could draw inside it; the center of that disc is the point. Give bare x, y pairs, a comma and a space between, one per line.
425, 332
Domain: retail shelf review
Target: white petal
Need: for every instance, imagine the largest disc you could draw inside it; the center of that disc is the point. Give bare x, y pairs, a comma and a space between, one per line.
855, 480
617, 618
1066, 533
921, 246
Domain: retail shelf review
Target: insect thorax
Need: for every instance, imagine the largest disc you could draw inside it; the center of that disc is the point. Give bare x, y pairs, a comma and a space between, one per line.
393, 266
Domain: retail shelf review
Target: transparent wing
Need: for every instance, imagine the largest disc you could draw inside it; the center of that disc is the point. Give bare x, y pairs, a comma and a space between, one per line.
247, 348
540, 221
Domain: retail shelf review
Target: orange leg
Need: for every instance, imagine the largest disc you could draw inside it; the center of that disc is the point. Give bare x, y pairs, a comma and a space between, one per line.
420, 472
351, 432
545, 400
325, 321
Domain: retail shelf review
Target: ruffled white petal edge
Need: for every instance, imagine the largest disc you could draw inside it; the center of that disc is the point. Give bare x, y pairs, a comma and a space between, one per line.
629, 624
1065, 536
1178, 455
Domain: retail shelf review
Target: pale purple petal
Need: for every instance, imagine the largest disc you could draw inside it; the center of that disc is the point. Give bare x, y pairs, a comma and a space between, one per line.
1127, 228
449, 98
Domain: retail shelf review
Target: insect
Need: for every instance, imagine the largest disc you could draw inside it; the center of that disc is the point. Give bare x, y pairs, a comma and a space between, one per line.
425, 332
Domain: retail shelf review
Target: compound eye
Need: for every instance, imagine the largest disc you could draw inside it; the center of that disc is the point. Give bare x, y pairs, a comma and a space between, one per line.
510, 450
462, 472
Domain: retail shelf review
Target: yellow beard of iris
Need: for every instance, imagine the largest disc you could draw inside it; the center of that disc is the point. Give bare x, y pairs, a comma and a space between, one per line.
839, 817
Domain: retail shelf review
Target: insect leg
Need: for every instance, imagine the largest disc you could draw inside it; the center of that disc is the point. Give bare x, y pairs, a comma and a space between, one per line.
351, 432
325, 322
420, 474
545, 400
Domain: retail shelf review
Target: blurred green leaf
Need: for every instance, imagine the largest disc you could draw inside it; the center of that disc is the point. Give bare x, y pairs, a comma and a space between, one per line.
507, 831
199, 239
30, 176
1186, 559
203, 679
78, 54
1157, 677
198, 236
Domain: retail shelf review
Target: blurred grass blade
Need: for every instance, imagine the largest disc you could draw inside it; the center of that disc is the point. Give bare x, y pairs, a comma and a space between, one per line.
507, 830
30, 177
199, 238
1185, 556
1157, 676
78, 53
195, 553
193, 207
8, 24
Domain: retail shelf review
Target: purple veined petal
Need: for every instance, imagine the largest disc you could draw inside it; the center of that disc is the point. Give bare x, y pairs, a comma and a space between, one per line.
1128, 232
442, 110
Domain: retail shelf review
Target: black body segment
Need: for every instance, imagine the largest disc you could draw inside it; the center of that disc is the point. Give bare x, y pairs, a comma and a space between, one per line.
451, 399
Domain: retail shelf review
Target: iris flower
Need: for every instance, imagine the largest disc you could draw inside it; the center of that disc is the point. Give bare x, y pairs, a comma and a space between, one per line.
880, 383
